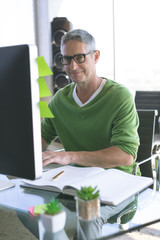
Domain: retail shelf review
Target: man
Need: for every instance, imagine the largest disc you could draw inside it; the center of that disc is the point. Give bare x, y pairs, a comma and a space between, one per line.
95, 117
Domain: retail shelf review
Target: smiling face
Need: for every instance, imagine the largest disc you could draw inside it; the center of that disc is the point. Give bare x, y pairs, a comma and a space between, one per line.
80, 73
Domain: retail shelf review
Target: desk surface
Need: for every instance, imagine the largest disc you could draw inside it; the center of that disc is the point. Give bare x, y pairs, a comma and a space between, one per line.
20, 199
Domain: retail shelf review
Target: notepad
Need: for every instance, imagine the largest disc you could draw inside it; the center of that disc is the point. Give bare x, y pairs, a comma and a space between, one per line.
115, 185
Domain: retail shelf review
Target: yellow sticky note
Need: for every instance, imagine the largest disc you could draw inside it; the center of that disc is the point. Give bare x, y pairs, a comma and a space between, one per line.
43, 68
38, 209
43, 88
45, 112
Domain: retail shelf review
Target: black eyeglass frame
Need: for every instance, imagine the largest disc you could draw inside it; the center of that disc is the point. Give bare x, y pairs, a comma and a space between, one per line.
69, 58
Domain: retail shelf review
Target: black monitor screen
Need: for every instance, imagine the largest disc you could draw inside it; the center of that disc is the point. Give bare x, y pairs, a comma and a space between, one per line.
20, 137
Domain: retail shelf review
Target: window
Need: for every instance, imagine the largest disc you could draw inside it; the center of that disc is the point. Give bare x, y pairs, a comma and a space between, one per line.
137, 43
127, 34
97, 18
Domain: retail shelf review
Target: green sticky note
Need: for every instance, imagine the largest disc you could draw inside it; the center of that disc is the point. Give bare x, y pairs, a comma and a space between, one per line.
38, 209
45, 112
43, 88
43, 68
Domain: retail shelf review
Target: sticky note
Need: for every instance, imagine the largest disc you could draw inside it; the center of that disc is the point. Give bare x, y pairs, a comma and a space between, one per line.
31, 211
38, 209
43, 88
43, 68
45, 112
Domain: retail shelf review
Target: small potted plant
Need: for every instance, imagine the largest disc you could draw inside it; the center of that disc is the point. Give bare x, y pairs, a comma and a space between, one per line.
54, 217
88, 203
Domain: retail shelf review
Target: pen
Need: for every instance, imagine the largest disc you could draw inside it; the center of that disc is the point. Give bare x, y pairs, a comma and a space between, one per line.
56, 176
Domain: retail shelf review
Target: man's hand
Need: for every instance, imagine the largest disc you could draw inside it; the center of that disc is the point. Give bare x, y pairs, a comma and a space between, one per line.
55, 157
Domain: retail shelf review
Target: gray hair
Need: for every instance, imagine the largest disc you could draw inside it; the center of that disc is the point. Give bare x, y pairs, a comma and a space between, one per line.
81, 36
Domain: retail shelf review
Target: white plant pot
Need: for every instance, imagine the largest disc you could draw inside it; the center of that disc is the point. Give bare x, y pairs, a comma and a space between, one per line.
54, 223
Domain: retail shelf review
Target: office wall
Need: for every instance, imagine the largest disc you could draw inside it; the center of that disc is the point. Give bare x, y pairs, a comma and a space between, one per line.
43, 36
17, 25
26, 22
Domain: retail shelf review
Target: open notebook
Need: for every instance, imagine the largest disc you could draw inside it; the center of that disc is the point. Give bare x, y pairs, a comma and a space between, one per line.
115, 186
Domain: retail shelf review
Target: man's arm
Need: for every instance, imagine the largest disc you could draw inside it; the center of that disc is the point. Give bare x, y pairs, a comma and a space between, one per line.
105, 158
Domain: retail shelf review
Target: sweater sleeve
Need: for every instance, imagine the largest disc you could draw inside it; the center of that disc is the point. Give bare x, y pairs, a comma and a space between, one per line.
47, 130
125, 125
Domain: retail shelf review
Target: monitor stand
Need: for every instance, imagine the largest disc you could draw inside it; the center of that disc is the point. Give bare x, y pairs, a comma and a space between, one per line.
6, 184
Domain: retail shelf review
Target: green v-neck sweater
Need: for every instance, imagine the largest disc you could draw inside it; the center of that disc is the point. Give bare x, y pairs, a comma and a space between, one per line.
110, 119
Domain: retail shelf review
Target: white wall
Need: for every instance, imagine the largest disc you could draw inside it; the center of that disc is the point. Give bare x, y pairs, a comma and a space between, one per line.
43, 36
26, 22
17, 25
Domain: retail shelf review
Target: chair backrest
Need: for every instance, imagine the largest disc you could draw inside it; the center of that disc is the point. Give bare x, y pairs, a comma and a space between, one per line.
146, 134
149, 100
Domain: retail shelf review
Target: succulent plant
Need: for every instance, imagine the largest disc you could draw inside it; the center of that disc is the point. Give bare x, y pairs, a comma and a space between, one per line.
53, 207
88, 193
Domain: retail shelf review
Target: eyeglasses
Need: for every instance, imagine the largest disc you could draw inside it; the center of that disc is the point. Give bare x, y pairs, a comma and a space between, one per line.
78, 58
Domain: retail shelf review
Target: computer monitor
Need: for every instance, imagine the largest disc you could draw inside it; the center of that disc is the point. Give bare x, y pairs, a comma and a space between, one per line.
20, 133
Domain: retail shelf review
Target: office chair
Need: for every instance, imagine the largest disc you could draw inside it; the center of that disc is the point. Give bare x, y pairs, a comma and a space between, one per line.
149, 100
148, 155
